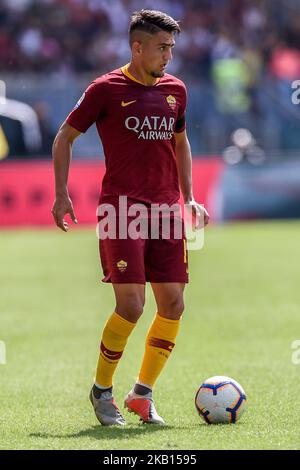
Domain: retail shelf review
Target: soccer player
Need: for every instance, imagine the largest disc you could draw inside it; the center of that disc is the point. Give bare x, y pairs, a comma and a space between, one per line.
139, 111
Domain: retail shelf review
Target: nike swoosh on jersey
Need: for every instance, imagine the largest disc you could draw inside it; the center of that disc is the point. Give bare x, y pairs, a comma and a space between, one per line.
126, 104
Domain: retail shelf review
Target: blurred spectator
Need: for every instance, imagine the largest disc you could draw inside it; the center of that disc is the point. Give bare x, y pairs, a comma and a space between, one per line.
285, 63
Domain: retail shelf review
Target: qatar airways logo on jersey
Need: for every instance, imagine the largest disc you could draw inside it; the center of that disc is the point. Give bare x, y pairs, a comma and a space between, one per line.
151, 127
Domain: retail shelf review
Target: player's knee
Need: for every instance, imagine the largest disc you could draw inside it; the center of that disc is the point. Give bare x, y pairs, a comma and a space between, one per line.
177, 308
131, 307
173, 308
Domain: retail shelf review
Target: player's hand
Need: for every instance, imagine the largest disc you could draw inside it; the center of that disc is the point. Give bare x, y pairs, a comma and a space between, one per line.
200, 216
62, 206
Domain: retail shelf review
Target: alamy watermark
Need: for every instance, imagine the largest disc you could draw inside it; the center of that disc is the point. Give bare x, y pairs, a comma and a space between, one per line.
296, 354
296, 94
2, 353
155, 221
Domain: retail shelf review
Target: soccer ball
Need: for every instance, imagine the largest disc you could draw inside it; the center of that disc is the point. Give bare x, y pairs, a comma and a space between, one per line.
220, 399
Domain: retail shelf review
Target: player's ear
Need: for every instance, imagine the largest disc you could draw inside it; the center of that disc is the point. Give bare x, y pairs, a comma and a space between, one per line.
136, 47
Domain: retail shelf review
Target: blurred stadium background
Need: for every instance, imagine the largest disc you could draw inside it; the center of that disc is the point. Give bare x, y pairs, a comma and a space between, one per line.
238, 58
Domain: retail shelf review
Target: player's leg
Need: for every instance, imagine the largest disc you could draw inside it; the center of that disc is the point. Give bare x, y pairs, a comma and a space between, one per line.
166, 267
123, 265
160, 342
162, 334
130, 299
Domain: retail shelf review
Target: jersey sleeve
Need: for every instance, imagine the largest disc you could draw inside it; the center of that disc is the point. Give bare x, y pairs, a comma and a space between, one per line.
89, 108
180, 123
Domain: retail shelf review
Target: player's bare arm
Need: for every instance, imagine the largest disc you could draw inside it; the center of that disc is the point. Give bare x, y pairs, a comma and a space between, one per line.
184, 168
62, 154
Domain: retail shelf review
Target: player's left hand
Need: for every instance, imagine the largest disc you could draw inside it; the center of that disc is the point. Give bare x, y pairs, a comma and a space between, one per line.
200, 216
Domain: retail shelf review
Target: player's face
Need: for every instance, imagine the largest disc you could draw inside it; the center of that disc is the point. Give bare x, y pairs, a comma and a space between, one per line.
157, 53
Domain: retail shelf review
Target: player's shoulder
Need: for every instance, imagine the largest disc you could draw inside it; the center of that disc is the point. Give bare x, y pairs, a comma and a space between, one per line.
169, 79
115, 76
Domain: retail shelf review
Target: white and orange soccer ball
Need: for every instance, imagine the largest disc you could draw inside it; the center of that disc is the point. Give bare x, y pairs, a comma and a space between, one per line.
220, 399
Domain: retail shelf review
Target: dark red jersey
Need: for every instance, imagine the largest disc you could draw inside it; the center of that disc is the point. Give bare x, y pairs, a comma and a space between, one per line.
136, 124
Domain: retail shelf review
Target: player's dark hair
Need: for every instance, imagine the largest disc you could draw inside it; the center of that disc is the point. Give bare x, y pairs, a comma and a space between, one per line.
152, 22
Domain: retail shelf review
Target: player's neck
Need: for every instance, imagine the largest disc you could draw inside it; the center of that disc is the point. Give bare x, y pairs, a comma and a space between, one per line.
139, 74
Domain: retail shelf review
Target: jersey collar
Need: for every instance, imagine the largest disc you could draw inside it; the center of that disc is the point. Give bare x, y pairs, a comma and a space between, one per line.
128, 75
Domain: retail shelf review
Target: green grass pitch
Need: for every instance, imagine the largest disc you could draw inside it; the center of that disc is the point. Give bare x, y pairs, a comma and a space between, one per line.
241, 317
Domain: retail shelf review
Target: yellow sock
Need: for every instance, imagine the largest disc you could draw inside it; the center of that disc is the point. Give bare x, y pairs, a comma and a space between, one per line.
113, 342
159, 344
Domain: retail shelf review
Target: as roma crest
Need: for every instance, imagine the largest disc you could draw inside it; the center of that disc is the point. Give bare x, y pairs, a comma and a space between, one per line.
171, 101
